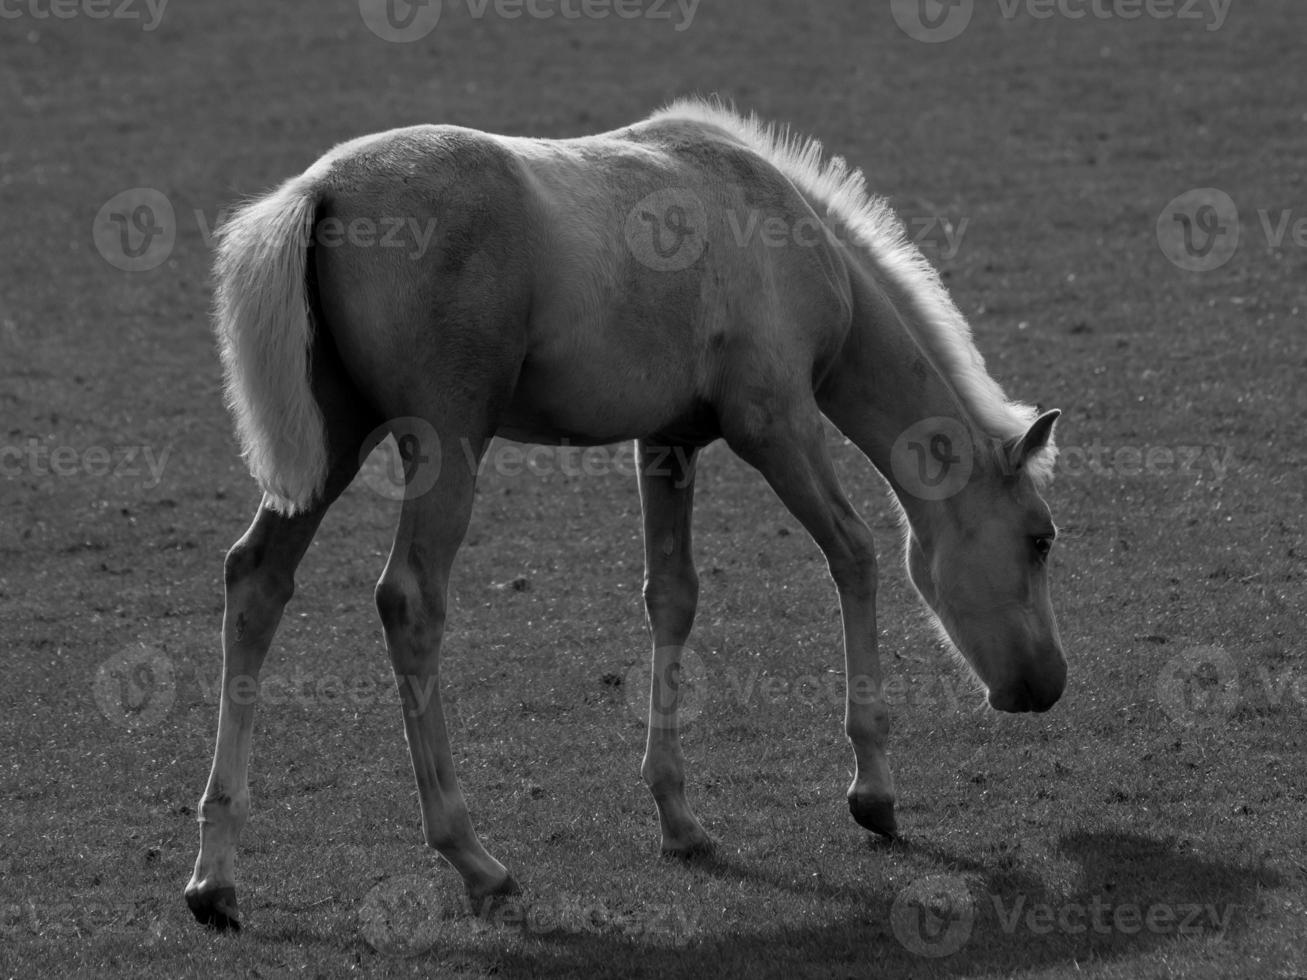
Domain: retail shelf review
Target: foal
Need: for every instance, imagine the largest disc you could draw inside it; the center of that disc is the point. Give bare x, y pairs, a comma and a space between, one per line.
691, 277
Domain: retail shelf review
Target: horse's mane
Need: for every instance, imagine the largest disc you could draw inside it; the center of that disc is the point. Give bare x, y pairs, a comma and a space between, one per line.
939, 328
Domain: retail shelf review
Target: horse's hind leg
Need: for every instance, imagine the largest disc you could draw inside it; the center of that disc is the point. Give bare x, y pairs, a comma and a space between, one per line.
671, 594
791, 454
259, 576
411, 599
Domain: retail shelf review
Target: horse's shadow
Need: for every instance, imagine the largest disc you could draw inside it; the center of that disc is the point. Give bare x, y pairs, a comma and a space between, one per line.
1132, 894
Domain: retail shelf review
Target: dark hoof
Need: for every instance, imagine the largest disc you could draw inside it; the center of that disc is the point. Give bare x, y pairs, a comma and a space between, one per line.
700, 850
215, 909
876, 815
486, 903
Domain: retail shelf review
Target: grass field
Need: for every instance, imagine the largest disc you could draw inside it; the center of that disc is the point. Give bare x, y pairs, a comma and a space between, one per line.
1151, 825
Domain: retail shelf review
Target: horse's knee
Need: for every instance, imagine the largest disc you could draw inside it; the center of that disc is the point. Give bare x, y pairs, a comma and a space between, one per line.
673, 595
854, 566
403, 606
393, 602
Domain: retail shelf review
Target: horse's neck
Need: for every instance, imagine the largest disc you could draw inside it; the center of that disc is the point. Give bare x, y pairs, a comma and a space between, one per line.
899, 387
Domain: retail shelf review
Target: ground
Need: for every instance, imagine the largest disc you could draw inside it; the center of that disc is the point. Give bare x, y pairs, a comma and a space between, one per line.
1150, 825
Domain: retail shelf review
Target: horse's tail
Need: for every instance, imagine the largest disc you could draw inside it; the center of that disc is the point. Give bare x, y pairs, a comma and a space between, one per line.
264, 328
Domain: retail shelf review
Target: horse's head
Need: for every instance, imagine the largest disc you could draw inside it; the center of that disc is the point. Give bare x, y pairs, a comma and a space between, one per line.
980, 562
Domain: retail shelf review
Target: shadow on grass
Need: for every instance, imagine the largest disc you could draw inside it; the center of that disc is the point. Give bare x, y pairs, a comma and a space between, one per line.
957, 916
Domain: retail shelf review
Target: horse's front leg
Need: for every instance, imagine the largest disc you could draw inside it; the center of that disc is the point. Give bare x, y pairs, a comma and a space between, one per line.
411, 598
866, 715
792, 456
671, 594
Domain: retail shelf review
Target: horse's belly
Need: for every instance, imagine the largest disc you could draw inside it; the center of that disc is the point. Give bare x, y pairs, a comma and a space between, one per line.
591, 399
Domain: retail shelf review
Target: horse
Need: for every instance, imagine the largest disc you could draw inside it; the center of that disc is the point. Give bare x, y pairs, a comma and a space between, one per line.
697, 275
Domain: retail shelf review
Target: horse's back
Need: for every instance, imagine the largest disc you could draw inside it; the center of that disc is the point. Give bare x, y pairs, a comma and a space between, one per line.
624, 272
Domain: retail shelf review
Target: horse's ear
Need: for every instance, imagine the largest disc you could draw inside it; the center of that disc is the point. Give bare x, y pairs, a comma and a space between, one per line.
1036, 438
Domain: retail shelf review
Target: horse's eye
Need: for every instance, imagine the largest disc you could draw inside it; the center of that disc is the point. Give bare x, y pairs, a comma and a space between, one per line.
1042, 543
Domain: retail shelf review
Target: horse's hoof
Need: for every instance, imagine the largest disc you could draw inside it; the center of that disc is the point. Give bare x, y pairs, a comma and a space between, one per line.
700, 849
876, 815
486, 901
215, 908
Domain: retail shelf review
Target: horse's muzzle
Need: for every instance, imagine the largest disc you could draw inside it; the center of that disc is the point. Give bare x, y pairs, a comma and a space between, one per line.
1029, 693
